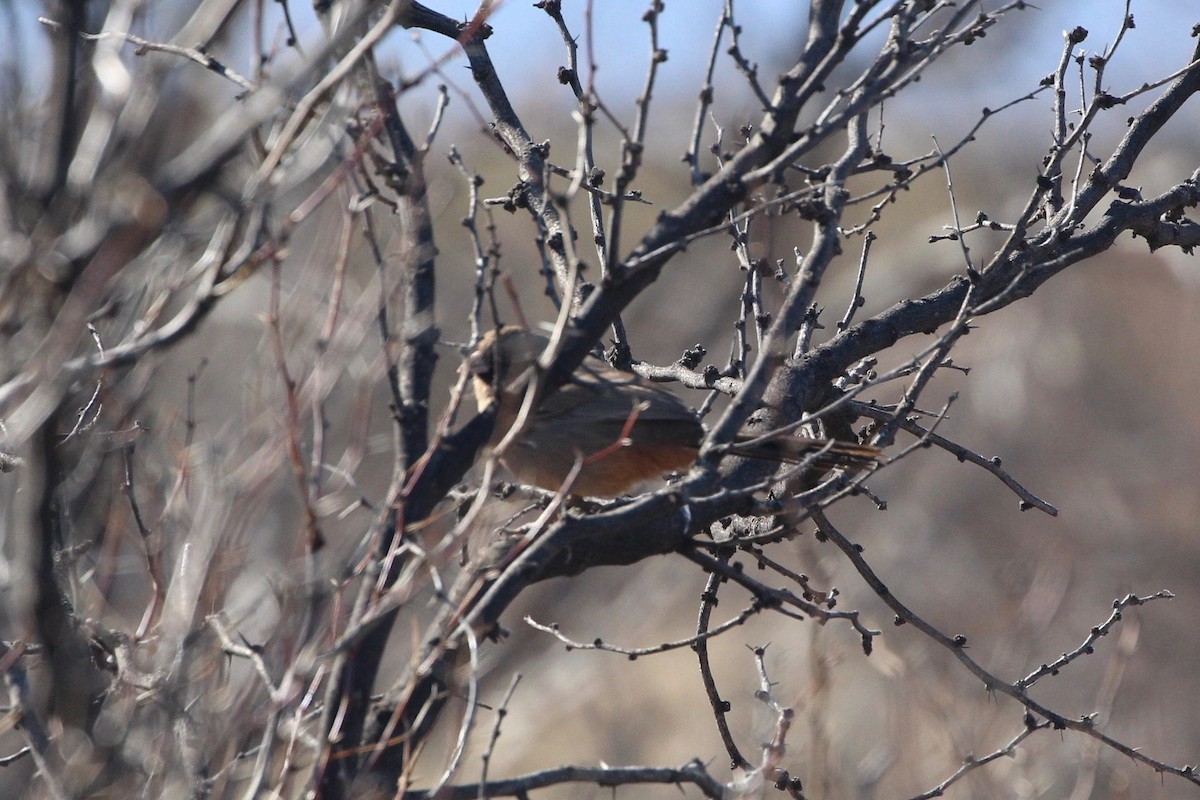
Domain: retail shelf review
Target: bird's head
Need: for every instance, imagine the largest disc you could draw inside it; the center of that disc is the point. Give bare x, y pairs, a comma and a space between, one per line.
502, 357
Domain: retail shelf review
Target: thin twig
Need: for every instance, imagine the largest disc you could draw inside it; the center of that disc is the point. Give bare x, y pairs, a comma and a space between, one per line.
1087, 647
720, 708
637, 652
957, 646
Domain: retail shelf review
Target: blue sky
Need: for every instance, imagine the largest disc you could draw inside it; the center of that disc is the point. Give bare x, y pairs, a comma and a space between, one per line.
527, 50
525, 42
1160, 42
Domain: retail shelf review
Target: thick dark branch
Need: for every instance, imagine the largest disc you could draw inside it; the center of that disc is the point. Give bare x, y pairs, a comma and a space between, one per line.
507, 126
1144, 128
1024, 273
411, 376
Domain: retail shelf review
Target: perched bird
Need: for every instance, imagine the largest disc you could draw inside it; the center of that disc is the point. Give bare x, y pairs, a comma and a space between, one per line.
624, 429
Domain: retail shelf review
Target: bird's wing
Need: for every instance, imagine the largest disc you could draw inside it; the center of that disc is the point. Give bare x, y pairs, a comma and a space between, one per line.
608, 395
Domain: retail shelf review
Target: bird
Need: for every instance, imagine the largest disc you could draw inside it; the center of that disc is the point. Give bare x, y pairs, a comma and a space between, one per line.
622, 430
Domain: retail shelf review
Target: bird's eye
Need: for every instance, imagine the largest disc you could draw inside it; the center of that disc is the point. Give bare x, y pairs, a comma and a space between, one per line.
481, 366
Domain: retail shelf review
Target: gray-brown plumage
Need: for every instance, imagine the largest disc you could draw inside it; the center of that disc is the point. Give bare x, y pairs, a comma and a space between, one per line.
625, 429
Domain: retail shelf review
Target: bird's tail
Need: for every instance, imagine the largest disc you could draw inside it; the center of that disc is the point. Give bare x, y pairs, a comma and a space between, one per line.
826, 454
